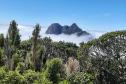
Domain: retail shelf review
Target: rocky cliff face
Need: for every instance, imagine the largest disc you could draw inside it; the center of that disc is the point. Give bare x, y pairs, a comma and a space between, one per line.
56, 29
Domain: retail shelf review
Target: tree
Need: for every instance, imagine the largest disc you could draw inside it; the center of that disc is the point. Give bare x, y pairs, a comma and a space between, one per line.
35, 39
11, 43
13, 34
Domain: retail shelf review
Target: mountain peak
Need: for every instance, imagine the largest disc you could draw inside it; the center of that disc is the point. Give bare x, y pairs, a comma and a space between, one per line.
74, 25
56, 28
74, 28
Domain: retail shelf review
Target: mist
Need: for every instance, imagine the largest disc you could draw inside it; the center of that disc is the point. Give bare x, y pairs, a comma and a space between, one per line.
26, 33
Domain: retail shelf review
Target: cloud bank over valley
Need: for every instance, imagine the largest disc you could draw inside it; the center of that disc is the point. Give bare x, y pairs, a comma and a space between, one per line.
26, 33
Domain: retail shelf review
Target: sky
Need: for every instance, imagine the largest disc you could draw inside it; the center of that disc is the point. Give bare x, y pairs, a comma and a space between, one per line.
93, 15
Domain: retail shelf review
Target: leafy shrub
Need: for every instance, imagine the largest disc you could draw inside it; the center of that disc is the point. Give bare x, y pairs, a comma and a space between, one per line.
13, 77
64, 82
31, 76
2, 74
54, 70
20, 67
80, 78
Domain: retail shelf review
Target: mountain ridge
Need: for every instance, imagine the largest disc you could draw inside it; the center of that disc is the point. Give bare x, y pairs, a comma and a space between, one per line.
57, 29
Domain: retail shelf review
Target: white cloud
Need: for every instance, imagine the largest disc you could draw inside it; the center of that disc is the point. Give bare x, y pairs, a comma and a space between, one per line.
4, 29
97, 34
26, 33
69, 38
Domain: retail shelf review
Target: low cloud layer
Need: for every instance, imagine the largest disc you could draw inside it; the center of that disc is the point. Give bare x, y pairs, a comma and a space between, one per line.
26, 33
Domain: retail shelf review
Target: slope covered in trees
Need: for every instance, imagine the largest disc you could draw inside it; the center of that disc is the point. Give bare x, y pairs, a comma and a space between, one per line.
41, 61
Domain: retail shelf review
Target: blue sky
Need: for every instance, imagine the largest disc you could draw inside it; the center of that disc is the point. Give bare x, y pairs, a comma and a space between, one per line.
101, 15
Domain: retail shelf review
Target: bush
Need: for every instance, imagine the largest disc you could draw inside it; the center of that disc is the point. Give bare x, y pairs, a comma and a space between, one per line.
2, 75
31, 76
64, 82
80, 78
13, 77
42, 79
54, 70
20, 67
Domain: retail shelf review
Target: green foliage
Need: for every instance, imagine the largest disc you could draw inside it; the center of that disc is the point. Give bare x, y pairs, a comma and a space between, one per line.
20, 67
16, 59
26, 45
110, 35
54, 70
2, 58
43, 79
81, 78
64, 82
30, 76
83, 54
2, 74
1, 40
14, 77
35, 47
105, 56
13, 34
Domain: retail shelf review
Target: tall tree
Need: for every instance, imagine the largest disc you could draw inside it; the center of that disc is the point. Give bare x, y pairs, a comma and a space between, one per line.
13, 34
35, 39
11, 42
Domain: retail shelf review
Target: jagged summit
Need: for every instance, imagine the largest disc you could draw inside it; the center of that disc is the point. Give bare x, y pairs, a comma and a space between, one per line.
56, 29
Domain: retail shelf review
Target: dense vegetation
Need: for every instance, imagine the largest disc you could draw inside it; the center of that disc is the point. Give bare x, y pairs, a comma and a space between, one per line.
42, 61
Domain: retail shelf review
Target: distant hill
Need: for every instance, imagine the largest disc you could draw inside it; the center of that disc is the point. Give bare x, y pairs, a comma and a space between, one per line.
57, 29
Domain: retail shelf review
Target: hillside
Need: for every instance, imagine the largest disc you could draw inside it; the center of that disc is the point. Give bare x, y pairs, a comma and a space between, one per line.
40, 60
